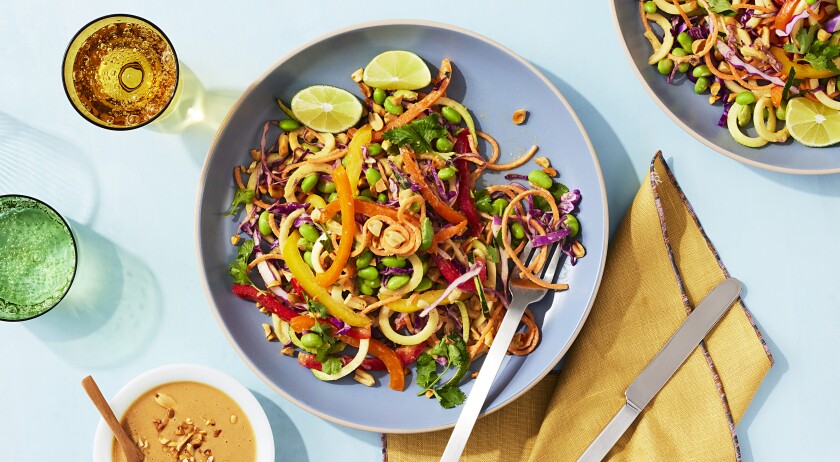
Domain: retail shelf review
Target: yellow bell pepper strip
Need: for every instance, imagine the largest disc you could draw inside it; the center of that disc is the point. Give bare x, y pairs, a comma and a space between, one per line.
423, 300
803, 71
442, 208
387, 355
302, 273
348, 229
354, 157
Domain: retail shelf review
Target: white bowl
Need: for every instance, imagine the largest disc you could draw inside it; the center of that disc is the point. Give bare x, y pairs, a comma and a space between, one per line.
264, 439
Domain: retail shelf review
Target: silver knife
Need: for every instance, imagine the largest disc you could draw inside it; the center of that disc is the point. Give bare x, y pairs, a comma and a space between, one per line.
664, 365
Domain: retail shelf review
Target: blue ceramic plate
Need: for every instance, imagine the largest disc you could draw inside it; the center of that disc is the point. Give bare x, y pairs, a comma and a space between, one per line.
490, 80
693, 113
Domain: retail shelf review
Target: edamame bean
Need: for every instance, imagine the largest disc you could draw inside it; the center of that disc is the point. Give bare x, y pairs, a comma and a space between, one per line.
427, 233
650, 7
447, 173
265, 228
397, 281
372, 283
701, 71
425, 284
682, 67
744, 116
366, 290
309, 182
326, 187
541, 203
499, 206
450, 114
685, 40
558, 190
364, 198
373, 176
382, 197
363, 260
311, 340
369, 272
781, 113
517, 230
389, 106
393, 262
665, 66
701, 85
374, 149
540, 178
332, 197
307, 257
810, 2
310, 232
745, 97
288, 125
379, 96
573, 224
443, 145
366, 193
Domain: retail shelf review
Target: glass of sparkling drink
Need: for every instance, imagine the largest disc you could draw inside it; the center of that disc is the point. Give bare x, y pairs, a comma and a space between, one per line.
121, 72
38, 258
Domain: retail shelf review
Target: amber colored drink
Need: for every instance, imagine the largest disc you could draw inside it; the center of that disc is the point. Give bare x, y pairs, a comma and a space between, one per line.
120, 72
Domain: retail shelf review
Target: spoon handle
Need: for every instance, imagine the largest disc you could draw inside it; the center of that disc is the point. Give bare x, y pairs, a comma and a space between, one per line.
131, 451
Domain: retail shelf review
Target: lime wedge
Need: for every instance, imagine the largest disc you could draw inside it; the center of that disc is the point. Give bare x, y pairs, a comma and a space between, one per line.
326, 109
397, 70
813, 124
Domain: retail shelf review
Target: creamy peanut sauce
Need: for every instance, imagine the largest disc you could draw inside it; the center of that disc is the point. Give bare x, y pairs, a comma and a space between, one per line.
188, 421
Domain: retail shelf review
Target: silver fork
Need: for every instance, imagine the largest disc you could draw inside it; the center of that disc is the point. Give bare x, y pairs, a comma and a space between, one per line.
523, 293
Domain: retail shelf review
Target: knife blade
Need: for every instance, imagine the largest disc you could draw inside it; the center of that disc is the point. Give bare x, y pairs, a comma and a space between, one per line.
663, 366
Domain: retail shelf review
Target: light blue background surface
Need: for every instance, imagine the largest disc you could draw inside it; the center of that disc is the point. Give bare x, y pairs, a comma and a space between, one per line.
138, 301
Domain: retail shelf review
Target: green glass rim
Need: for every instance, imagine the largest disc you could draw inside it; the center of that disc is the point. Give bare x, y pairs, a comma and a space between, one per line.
155, 27
75, 253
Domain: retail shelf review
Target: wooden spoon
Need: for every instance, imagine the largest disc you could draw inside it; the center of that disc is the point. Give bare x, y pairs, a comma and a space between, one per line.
130, 450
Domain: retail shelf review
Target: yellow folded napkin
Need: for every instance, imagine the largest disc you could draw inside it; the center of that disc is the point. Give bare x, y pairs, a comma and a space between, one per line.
660, 264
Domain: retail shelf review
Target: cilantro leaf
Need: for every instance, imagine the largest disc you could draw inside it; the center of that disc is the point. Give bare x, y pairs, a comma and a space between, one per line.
722, 7
240, 197
426, 371
321, 328
318, 309
450, 396
493, 254
418, 134
328, 246
822, 56
239, 267
803, 41
331, 365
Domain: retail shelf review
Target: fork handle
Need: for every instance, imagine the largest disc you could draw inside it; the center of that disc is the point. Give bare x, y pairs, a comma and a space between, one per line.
481, 387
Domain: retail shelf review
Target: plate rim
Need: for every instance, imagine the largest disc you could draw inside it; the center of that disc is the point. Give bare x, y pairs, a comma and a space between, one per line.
366, 25
689, 130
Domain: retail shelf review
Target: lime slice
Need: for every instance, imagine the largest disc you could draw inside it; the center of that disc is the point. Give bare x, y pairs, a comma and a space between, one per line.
326, 109
397, 70
813, 124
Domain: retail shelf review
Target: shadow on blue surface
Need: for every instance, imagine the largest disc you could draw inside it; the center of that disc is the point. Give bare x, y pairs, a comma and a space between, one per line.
818, 185
112, 311
288, 443
780, 367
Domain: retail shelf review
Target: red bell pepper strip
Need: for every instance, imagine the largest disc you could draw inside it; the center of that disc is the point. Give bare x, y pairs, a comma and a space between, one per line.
451, 273
408, 354
387, 355
465, 201
302, 323
272, 303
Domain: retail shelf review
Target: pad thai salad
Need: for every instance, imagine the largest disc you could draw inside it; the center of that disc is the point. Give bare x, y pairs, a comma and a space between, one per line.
771, 64
363, 236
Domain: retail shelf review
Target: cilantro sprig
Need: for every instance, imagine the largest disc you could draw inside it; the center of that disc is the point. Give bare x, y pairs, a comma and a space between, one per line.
239, 267
801, 44
722, 7
419, 134
454, 350
240, 197
822, 56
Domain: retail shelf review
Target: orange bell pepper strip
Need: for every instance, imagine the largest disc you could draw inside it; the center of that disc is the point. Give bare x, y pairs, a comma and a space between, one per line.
348, 228
784, 14
302, 323
301, 272
387, 355
368, 209
354, 157
444, 76
442, 208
